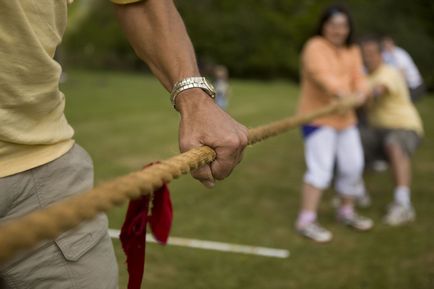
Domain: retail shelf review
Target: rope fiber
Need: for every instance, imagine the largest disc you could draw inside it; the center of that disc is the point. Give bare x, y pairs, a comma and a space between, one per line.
48, 223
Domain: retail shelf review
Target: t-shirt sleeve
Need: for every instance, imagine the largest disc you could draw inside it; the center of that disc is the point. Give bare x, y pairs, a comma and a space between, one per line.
125, 1
404, 59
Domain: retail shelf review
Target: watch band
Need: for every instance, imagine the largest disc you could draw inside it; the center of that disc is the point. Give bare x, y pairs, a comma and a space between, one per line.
189, 83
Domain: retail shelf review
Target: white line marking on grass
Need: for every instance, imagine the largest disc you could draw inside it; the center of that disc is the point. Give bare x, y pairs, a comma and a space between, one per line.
216, 246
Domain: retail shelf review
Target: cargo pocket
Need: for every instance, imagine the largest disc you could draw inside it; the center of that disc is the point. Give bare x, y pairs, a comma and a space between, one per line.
77, 242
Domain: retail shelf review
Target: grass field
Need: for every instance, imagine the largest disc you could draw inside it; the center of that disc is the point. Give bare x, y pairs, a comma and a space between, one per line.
126, 121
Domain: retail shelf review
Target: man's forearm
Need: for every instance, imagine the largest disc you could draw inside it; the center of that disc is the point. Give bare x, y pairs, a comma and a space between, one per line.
157, 34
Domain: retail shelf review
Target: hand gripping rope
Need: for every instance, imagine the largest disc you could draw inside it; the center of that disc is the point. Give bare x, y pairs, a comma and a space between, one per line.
48, 223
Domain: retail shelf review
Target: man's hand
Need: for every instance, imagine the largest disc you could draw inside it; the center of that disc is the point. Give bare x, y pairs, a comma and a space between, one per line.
378, 91
204, 123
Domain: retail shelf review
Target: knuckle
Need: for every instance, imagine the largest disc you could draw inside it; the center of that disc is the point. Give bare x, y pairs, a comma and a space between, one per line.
186, 145
196, 174
222, 169
222, 175
233, 141
200, 174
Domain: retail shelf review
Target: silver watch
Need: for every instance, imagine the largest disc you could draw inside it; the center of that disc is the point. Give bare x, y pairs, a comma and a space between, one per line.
189, 83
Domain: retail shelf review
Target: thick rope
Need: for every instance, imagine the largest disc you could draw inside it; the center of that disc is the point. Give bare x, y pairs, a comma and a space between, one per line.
50, 222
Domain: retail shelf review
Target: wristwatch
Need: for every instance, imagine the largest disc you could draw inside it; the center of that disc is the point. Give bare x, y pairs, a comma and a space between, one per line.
189, 83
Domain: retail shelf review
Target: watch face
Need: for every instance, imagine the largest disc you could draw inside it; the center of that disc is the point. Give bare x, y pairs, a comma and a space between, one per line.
210, 86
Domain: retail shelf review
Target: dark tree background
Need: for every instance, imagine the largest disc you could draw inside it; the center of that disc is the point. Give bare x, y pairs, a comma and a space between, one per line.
254, 38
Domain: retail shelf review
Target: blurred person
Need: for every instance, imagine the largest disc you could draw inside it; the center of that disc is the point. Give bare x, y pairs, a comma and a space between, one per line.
39, 161
394, 128
221, 85
331, 70
399, 58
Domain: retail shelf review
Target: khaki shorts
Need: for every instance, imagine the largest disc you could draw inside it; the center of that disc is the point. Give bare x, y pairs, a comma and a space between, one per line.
375, 139
80, 258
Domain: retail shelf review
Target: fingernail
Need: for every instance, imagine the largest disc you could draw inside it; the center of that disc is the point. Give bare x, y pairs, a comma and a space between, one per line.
209, 184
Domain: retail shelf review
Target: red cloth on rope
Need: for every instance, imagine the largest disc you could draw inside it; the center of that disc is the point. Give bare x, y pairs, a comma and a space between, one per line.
156, 210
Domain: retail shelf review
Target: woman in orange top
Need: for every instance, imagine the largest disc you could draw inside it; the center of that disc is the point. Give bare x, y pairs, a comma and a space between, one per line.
331, 70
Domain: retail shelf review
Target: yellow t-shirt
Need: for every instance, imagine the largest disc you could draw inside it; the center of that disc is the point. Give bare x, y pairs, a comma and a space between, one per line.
395, 109
33, 127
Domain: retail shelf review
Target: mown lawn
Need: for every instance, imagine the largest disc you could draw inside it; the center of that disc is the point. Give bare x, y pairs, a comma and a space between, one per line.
126, 121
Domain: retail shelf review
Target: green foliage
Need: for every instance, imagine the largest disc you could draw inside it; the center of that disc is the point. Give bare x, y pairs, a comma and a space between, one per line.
253, 38
410, 23
257, 38
96, 40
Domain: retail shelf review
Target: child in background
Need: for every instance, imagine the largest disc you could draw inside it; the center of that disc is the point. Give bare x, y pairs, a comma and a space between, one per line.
221, 86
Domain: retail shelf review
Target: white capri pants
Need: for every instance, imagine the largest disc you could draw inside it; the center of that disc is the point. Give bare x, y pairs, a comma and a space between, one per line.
323, 148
